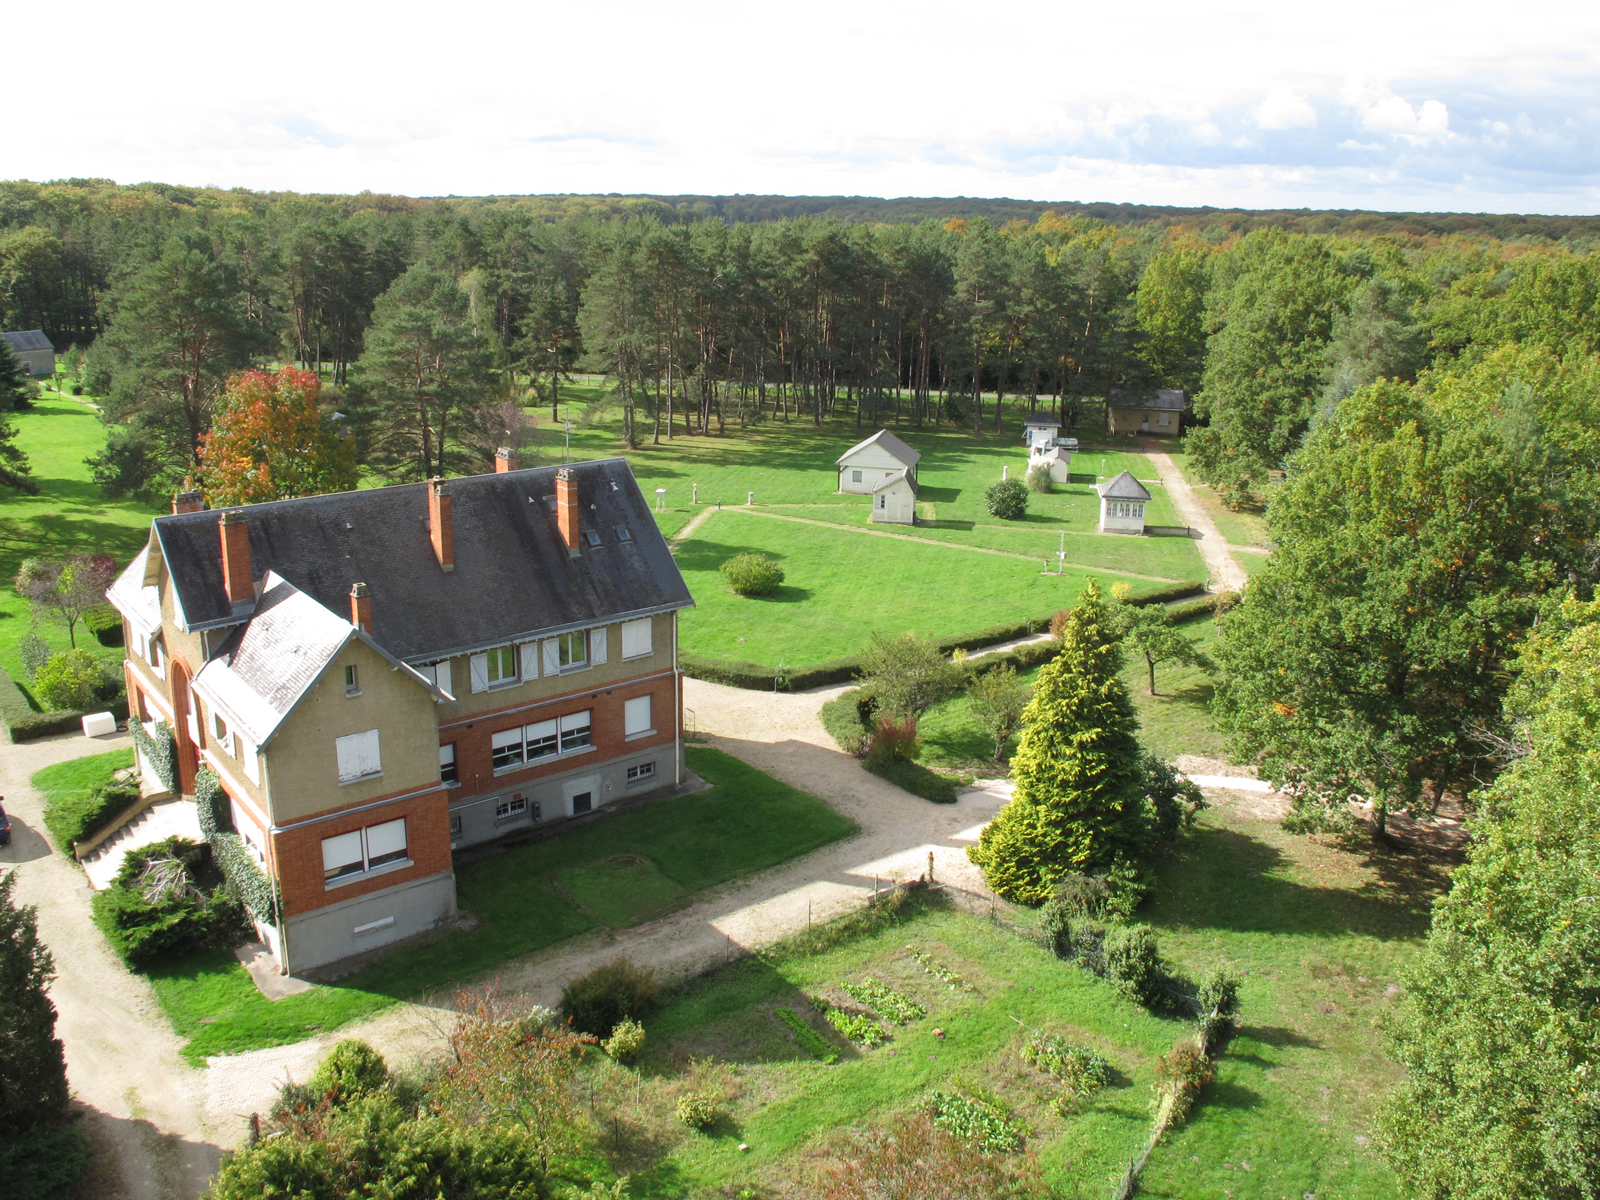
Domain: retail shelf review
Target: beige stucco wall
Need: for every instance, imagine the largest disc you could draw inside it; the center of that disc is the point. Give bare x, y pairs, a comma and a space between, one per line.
1132, 420
301, 766
874, 463
613, 670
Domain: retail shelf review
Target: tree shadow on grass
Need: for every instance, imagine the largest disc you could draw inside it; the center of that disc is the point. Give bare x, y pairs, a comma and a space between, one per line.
697, 554
938, 495
1221, 878
1227, 1095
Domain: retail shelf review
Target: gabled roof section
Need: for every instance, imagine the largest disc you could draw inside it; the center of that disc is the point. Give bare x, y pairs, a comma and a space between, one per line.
1038, 419
263, 671
1123, 487
891, 480
1160, 400
28, 339
133, 597
513, 576
887, 441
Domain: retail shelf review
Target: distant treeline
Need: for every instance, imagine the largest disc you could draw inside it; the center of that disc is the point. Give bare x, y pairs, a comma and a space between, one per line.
434, 316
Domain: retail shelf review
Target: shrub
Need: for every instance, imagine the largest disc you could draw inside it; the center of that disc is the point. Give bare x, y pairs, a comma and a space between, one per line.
1127, 884
608, 995
1082, 896
841, 717
1007, 499
43, 1161
915, 778
1218, 1002
980, 1121
752, 574
1055, 927
79, 818
1039, 480
1081, 1070
916, 1157
997, 698
895, 739
105, 623
35, 652
812, 1042
884, 1000
1133, 964
907, 675
68, 680
1174, 802
352, 1068
1182, 1074
159, 906
626, 1042
699, 1110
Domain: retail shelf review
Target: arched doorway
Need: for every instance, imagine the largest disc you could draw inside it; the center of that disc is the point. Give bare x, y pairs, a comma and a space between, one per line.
186, 728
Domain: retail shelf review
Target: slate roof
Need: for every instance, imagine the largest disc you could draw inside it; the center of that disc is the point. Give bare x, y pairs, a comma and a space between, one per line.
892, 479
513, 577
1042, 418
890, 443
263, 670
1161, 400
28, 339
1122, 487
133, 598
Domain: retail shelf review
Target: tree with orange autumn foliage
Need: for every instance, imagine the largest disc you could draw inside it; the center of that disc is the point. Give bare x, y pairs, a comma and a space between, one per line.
271, 440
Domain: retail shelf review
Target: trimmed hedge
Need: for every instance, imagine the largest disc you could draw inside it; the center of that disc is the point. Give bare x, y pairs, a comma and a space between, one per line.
756, 677
843, 721
25, 722
1188, 610
914, 778
71, 821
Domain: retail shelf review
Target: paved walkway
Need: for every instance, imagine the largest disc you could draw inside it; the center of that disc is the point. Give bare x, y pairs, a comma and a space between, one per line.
143, 1104
1225, 570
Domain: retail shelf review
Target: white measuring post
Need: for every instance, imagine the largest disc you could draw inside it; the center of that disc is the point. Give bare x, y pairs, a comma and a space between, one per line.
749, 499
661, 499
694, 493
1061, 554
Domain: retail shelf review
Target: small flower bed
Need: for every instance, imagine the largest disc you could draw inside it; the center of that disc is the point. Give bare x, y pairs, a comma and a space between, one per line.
810, 1040
976, 1120
1082, 1071
938, 970
885, 1001
858, 1027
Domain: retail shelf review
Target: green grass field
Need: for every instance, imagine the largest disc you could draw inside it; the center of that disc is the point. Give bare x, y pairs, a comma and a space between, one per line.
619, 871
1317, 932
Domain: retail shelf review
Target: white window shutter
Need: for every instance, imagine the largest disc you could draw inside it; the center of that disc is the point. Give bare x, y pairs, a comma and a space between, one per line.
247, 756
636, 640
636, 716
358, 755
480, 672
442, 677
341, 851
597, 646
529, 653
552, 657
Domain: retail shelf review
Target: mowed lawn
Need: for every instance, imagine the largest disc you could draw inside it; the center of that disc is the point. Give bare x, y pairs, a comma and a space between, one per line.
617, 871
69, 515
842, 586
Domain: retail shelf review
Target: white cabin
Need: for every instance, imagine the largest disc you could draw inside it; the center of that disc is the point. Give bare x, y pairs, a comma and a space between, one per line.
867, 464
1122, 502
1041, 431
894, 500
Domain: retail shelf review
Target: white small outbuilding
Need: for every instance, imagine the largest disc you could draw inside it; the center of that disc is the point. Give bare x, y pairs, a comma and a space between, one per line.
1122, 501
867, 464
894, 500
1046, 448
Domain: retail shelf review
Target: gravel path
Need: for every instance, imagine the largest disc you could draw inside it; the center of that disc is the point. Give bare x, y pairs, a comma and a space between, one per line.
143, 1104
1214, 548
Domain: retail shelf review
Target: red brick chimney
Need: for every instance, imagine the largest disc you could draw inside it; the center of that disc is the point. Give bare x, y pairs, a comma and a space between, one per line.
361, 607
236, 578
185, 502
567, 508
505, 459
439, 523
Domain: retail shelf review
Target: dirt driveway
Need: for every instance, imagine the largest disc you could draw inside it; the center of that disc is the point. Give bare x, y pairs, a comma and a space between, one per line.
1226, 573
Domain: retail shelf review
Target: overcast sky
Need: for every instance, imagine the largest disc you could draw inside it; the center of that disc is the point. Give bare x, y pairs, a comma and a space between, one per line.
1363, 104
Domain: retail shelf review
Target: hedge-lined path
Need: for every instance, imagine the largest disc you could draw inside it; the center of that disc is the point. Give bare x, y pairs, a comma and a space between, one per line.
1214, 549
906, 537
143, 1104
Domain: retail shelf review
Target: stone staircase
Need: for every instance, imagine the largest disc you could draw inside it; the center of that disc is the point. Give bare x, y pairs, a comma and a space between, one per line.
164, 819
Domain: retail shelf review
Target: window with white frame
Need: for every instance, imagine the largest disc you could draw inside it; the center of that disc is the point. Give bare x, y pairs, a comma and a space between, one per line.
352, 681
219, 728
363, 850
495, 668
447, 764
637, 638
507, 748
855, 476
1133, 509
438, 674
572, 650
455, 825
543, 740
359, 756
641, 773
636, 717
575, 731
510, 807
158, 655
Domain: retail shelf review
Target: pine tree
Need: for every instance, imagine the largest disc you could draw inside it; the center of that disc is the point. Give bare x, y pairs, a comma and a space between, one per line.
33, 1070
15, 393
1079, 799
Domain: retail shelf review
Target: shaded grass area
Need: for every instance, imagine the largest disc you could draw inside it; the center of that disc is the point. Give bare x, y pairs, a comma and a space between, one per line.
67, 516
841, 588
70, 789
745, 822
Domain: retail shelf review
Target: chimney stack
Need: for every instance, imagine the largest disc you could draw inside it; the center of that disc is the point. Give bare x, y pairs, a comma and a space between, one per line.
236, 573
186, 502
361, 607
439, 523
505, 459
567, 508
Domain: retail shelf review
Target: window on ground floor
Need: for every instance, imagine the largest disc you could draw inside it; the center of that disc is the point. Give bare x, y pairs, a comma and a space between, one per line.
508, 807
575, 731
641, 773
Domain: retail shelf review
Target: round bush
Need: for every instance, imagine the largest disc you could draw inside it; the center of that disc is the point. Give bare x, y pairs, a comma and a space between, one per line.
68, 680
601, 1000
1039, 479
351, 1069
1007, 499
752, 574
699, 1110
626, 1042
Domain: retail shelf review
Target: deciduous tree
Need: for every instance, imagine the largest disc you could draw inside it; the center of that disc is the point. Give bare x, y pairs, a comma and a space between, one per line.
998, 698
271, 440
66, 588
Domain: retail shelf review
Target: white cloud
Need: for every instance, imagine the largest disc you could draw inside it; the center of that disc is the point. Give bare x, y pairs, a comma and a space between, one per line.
1285, 109
1384, 112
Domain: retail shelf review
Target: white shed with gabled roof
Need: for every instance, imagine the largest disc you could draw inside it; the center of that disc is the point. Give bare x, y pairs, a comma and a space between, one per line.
867, 464
894, 500
1122, 501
